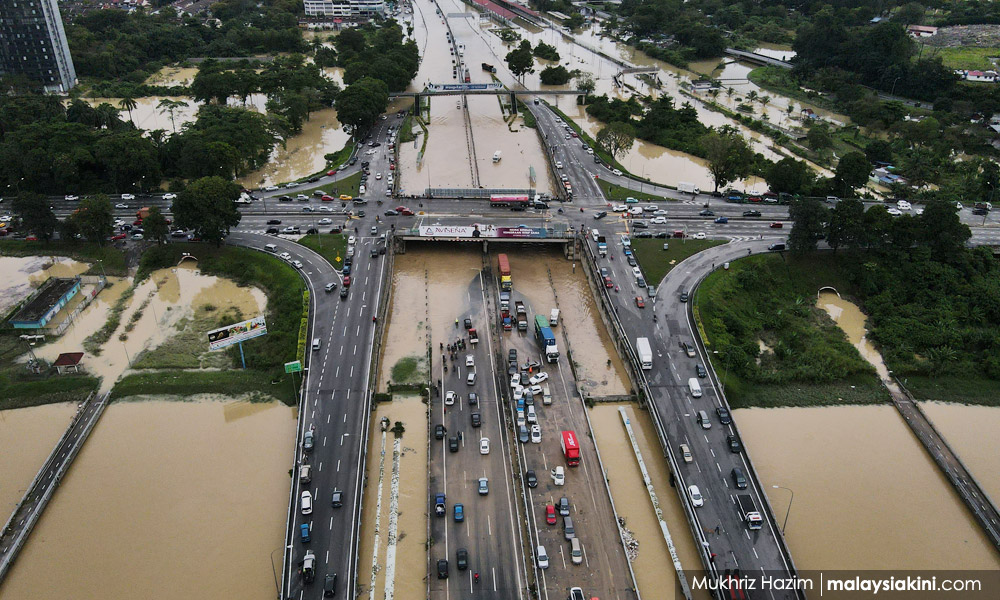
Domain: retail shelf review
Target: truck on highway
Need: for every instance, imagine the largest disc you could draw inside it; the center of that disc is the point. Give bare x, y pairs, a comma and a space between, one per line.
473, 336
504, 301
554, 317
602, 245
570, 448
687, 188
522, 316
748, 512
645, 353
489, 67
504, 266
546, 339
309, 567
439, 505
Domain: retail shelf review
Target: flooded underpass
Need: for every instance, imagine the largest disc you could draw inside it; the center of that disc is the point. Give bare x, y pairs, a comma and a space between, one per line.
33, 431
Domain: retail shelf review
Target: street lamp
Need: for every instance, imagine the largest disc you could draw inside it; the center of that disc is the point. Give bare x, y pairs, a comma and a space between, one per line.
787, 510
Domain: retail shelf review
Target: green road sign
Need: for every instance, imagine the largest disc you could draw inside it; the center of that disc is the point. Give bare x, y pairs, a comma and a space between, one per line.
293, 367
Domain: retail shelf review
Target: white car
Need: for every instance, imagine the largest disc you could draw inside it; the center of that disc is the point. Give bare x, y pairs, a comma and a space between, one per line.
618, 208
700, 235
696, 498
136, 236
558, 475
449, 398
296, 264
361, 190
470, 361
170, 196
636, 272
660, 213
71, 197
536, 390
590, 150
325, 221
515, 380
958, 205
895, 212
118, 222
285, 256
617, 171
903, 205
128, 196
302, 198
271, 188
538, 378
350, 241
635, 210
484, 445
307, 209
292, 184
518, 392
559, 164
307, 502
121, 205
378, 175
536, 434
658, 221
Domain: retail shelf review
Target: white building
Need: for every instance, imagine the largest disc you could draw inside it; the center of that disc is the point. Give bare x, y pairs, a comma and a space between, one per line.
344, 8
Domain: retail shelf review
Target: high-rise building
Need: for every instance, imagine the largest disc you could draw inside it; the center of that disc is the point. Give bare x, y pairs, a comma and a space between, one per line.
33, 43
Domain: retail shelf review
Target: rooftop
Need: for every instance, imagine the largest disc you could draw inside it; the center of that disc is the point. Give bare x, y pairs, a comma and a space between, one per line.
45, 298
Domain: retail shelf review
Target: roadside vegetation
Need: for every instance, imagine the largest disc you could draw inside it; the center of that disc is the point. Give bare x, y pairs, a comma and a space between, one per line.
656, 262
20, 388
348, 185
331, 246
617, 193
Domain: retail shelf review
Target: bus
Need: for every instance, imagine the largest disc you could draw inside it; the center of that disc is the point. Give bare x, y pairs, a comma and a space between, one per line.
512, 202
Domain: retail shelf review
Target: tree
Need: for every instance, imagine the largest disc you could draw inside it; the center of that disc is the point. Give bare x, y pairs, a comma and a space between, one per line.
557, 75
520, 60
208, 206
128, 103
586, 84
878, 151
789, 175
818, 137
844, 224
360, 104
95, 218
543, 50
617, 138
36, 215
989, 181
808, 218
169, 106
852, 172
943, 231
155, 225
728, 154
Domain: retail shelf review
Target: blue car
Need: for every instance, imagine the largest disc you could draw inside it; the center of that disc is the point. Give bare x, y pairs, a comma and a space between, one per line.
722, 220
304, 529
459, 513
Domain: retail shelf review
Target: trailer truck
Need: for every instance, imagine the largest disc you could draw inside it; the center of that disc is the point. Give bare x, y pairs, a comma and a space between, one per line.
546, 339
645, 353
489, 67
504, 265
748, 512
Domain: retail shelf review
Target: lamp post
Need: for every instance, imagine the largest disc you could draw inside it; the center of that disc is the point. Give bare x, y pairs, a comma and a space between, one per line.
274, 572
127, 354
787, 510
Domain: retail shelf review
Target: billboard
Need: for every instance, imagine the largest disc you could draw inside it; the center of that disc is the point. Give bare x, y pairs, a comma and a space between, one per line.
224, 337
482, 231
462, 87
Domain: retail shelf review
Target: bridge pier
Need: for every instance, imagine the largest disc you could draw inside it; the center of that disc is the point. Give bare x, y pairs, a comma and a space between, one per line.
513, 104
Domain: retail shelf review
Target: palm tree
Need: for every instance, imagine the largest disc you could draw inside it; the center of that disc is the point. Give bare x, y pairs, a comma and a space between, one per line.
107, 115
752, 95
169, 106
730, 92
128, 103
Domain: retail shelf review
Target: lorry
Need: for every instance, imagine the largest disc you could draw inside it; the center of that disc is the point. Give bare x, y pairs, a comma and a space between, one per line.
645, 353
142, 213
687, 188
522, 316
602, 245
504, 301
554, 317
506, 283
570, 448
546, 339
507, 322
439, 505
748, 512
489, 67
496, 156
473, 336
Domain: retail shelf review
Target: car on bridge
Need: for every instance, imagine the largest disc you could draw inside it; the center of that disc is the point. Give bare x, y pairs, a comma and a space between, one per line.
724, 417
307, 503
530, 478
734, 444
550, 514
442, 568
751, 213
697, 499
459, 512
449, 398
484, 486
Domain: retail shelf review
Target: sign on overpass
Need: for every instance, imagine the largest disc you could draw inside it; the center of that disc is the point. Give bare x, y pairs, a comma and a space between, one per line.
482, 231
462, 87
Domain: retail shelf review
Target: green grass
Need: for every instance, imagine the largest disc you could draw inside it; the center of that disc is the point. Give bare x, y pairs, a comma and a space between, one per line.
112, 259
854, 390
966, 57
778, 80
333, 161
186, 349
20, 389
617, 193
406, 129
331, 246
965, 389
185, 382
656, 262
410, 369
347, 185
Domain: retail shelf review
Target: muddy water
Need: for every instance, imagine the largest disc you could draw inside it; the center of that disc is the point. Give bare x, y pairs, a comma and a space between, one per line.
867, 495
23, 274
589, 342
411, 534
971, 431
303, 153
653, 568
850, 318
406, 334
33, 432
173, 75
142, 505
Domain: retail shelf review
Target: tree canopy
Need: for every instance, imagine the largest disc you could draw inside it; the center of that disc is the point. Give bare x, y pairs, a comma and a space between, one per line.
208, 206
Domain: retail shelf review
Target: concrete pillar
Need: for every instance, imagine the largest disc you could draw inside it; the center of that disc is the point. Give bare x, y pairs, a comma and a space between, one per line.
513, 104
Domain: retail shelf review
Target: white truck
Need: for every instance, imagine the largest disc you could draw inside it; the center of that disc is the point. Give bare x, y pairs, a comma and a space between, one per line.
554, 317
645, 353
687, 188
748, 512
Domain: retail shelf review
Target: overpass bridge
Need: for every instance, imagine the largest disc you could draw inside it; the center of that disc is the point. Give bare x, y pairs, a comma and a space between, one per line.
481, 89
758, 59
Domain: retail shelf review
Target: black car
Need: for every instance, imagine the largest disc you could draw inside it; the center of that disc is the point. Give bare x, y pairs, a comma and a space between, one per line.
663, 235
982, 212
462, 559
631, 261
391, 213
524, 378
313, 179
707, 213
684, 296
601, 214
311, 231
734, 444
511, 367
285, 198
512, 354
751, 213
643, 234
531, 479
439, 432
453, 444
274, 221
343, 292
724, 416
353, 161
330, 586
477, 420
639, 225
338, 499
442, 569
473, 399
272, 231
364, 163
376, 144
701, 371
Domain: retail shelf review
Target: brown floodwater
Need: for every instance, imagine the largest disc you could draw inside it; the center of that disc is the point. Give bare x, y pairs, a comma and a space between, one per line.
867, 495
406, 334
653, 567
183, 499
971, 431
22, 274
173, 75
850, 318
34, 432
302, 153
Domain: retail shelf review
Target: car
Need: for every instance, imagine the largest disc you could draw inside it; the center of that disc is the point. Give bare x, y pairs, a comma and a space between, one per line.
644, 235
616, 172
538, 378
751, 213
641, 282
722, 220
170, 196
980, 212
534, 390
658, 220
470, 379
378, 175
706, 213
462, 559
700, 235
550, 514
291, 229
272, 231
600, 215
128, 196
651, 290
688, 349
530, 478
330, 585
439, 431
121, 236
830, 199
686, 453
696, 498
470, 360
296, 264
536, 434
449, 398
119, 205
442, 568
700, 370
135, 236
684, 296
331, 172
453, 443
724, 416
343, 292
559, 164
458, 511
639, 302
440, 506
274, 221
892, 211
307, 502
304, 533
631, 261
484, 445
326, 198
608, 283
639, 225
777, 225
337, 499
618, 208
484, 486
391, 213
734, 444
285, 199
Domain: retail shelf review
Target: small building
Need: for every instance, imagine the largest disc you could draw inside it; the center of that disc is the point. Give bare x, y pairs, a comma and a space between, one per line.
39, 309
886, 177
68, 361
921, 30
979, 76
809, 114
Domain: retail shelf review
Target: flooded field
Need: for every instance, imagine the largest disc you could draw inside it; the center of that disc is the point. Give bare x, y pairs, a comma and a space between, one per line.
652, 566
303, 153
406, 335
850, 318
22, 274
867, 495
173, 75
971, 431
182, 499
33, 432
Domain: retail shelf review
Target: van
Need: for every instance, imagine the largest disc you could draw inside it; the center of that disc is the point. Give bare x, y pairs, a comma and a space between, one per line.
558, 476
575, 550
532, 417
703, 419
739, 478
779, 247
542, 557
316, 344
568, 530
546, 396
595, 234
695, 387
271, 248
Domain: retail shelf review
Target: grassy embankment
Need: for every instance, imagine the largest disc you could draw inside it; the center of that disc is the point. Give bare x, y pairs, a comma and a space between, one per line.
770, 299
333, 161
265, 356
656, 262
348, 185
331, 246
617, 193
967, 57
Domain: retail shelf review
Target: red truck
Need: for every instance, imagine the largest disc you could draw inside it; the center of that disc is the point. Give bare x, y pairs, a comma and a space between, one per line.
505, 279
570, 448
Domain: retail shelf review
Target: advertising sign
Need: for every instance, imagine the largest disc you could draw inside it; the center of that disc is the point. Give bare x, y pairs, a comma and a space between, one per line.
224, 337
462, 87
481, 231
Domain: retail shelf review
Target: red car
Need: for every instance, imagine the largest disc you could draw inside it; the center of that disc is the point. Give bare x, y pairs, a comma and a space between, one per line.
120, 236
640, 302
31, 238
550, 514
392, 166
327, 198
607, 282
406, 212
332, 172
776, 225
347, 281
137, 222
754, 198
679, 234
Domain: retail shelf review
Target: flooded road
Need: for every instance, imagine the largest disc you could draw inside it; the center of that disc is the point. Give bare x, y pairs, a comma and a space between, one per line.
867, 495
33, 432
971, 431
653, 567
182, 499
